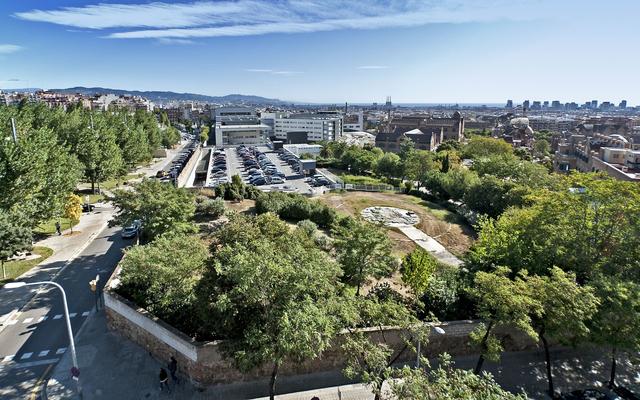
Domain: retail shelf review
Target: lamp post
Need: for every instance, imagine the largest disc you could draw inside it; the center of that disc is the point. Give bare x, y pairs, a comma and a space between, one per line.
75, 371
439, 331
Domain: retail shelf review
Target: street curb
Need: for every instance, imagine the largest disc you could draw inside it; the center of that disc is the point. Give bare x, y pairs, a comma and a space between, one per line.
82, 248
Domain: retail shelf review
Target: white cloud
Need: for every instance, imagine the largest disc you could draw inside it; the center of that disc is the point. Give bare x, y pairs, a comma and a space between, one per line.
373, 67
170, 41
258, 17
9, 48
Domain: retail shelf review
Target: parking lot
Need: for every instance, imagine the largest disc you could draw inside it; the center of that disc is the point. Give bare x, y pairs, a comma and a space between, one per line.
264, 166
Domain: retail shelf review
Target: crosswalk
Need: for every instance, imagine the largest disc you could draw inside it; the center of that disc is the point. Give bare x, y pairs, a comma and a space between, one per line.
30, 357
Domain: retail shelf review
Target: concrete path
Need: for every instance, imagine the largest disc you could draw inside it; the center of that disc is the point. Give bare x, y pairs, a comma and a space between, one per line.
430, 244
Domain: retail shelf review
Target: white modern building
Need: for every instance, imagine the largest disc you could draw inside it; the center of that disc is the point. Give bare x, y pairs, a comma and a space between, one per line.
233, 126
319, 126
299, 149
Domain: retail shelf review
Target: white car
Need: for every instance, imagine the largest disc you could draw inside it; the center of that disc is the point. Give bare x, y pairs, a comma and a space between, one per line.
277, 179
132, 230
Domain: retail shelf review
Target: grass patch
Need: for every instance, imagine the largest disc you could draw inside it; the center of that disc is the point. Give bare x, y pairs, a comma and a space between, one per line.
49, 227
115, 182
16, 268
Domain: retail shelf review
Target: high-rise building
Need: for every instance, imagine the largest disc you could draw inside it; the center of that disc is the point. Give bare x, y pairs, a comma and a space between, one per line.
526, 104
545, 104
623, 104
509, 104
594, 104
318, 126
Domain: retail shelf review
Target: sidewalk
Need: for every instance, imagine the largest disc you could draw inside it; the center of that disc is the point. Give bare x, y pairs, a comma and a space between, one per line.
65, 249
113, 367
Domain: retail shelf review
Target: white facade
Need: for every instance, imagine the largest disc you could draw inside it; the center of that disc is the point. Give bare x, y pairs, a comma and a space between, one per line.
318, 126
299, 149
234, 126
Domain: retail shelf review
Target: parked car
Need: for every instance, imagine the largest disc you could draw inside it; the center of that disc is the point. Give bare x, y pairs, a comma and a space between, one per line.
87, 207
132, 230
277, 179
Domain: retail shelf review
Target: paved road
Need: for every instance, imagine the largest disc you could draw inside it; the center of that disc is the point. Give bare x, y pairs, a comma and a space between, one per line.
34, 340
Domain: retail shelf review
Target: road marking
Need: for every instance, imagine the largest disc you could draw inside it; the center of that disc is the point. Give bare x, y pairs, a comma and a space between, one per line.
27, 320
26, 355
61, 350
28, 364
57, 316
73, 314
43, 353
42, 318
8, 358
85, 314
12, 322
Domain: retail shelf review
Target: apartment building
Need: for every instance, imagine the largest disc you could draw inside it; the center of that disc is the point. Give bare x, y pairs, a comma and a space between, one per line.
318, 126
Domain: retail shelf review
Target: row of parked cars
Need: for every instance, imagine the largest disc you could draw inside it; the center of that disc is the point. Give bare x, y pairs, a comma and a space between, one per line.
258, 168
318, 180
219, 168
178, 164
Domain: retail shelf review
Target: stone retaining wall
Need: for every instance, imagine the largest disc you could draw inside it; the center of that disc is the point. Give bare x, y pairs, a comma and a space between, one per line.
204, 364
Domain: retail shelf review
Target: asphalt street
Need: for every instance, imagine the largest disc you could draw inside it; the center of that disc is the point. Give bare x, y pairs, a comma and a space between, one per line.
33, 341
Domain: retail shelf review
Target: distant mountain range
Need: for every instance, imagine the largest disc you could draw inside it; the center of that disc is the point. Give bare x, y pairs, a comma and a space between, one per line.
166, 97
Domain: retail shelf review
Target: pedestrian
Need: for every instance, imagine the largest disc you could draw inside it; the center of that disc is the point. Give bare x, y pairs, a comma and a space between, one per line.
58, 228
173, 368
164, 380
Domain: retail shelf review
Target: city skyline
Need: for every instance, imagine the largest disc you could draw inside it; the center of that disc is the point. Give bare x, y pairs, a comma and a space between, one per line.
327, 52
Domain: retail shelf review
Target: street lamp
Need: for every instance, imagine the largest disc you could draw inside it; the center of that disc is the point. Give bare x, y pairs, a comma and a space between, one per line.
439, 331
75, 371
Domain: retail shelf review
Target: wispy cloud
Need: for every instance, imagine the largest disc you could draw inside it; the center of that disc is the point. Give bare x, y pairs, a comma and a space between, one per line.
9, 48
258, 17
373, 67
170, 41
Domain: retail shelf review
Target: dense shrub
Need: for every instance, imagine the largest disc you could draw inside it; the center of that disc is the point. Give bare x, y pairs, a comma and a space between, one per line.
445, 296
210, 208
237, 191
295, 207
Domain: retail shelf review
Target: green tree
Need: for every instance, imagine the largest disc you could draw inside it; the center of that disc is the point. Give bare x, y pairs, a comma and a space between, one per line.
389, 166
501, 301
418, 267
73, 209
492, 196
542, 148
370, 353
448, 383
204, 134
36, 173
566, 308
271, 292
170, 137
161, 277
457, 181
418, 165
363, 250
160, 207
15, 236
616, 324
480, 146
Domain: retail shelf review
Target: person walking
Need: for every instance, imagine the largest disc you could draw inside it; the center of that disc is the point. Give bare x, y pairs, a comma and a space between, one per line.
164, 380
58, 228
173, 368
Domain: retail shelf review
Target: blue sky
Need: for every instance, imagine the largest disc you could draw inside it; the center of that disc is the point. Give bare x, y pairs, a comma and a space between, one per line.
330, 51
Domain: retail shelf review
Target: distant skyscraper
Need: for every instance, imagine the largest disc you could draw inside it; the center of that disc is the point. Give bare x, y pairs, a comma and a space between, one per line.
556, 105
623, 104
509, 104
526, 104
545, 104
594, 104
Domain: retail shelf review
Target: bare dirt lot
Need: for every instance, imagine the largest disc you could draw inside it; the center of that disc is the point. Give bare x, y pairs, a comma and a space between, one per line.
446, 227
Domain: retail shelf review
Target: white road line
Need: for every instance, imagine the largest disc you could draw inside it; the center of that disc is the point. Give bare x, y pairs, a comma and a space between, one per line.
43, 353
73, 314
57, 316
26, 355
27, 320
42, 318
28, 364
8, 358
61, 350
12, 322
85, 314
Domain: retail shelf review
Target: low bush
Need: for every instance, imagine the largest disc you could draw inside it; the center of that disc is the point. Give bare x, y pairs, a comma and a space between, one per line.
210, 208
295, 207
